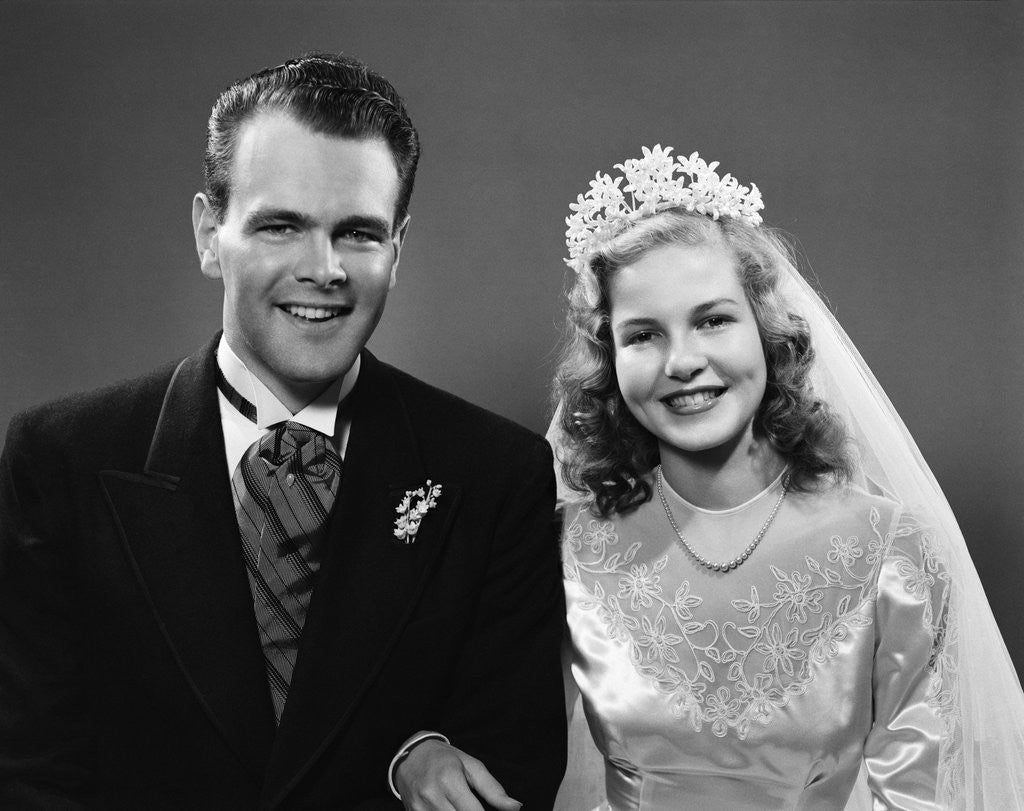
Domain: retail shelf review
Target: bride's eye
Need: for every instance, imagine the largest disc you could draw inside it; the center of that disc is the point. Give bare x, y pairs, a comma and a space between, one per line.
641, 337
715, 322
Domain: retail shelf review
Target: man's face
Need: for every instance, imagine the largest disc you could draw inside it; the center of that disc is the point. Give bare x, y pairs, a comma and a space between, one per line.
307, 251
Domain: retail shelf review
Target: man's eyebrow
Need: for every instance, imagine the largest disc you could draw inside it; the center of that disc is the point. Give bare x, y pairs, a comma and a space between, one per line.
364, 222
269, 216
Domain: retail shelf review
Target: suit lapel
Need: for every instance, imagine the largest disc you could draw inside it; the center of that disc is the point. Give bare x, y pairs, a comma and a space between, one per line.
369, 582
178, 524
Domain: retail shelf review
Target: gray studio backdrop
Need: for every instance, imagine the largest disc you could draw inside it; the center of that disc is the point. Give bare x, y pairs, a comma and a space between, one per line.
885, 137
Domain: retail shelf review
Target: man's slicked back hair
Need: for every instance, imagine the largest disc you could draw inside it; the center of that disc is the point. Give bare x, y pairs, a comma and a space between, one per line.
333, 95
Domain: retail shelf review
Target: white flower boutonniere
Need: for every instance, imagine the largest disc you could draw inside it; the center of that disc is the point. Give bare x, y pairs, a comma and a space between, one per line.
410, 515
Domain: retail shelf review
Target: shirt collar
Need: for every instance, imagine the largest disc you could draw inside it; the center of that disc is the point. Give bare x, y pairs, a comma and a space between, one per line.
320, 414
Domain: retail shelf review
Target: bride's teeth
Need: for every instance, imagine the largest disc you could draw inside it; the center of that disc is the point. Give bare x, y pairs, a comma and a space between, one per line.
698, 398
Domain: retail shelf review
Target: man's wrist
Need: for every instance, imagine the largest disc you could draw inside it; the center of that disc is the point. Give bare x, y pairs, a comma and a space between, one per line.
403, 753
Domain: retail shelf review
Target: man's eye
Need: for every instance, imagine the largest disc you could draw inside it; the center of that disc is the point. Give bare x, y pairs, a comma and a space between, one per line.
359, 236
278, 229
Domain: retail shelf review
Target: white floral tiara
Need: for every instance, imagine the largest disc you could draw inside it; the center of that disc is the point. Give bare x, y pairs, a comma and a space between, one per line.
606, 211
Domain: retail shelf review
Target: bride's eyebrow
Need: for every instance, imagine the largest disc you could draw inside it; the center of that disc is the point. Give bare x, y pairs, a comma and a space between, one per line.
707, 306
639, 321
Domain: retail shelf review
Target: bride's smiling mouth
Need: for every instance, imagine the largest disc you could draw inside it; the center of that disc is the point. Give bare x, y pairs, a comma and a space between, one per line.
694, 401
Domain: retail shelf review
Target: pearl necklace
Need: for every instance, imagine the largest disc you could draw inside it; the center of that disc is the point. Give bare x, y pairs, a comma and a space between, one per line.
740, 559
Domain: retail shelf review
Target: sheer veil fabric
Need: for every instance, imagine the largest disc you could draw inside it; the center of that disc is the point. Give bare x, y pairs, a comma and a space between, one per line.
975, 684
982, 766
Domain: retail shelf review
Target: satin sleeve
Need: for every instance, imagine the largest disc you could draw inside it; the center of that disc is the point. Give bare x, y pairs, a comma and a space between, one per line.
904, 748
583, 784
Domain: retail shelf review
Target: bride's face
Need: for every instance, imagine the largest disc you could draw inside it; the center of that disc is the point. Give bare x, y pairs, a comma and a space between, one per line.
688, 354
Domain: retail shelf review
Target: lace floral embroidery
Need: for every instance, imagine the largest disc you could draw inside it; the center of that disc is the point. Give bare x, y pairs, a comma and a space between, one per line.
767, 651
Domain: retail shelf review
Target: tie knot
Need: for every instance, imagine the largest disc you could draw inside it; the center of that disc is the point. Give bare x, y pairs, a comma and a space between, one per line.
280, 443
294, 435
300, 449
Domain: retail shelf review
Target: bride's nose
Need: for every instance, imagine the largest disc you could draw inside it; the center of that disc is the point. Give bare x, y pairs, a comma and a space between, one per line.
684, 359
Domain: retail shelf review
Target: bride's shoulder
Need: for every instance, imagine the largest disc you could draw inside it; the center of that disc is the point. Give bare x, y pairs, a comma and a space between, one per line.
578, 511
587, 530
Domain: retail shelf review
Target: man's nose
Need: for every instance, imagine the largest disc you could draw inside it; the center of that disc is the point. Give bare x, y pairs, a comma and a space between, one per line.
323, 265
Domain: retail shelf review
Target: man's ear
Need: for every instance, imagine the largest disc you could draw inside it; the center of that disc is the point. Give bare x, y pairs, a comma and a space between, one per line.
397, 240
206, 228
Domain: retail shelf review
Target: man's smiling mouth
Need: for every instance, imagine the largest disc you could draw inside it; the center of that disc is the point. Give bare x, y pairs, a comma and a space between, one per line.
313, 313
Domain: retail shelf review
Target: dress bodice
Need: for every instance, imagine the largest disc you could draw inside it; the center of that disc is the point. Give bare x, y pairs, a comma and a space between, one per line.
769, 686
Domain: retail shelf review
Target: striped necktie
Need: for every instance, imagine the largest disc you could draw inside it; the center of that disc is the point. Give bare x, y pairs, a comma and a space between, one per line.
283, 489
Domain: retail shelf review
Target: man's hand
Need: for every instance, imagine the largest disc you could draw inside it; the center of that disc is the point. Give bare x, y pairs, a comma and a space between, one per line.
438, 777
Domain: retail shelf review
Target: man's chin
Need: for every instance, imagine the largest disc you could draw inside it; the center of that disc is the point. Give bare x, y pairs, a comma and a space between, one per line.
298, 385
306, 379
308, 366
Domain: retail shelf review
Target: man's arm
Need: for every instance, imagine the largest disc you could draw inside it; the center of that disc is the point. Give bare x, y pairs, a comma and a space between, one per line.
506, 704
44, 748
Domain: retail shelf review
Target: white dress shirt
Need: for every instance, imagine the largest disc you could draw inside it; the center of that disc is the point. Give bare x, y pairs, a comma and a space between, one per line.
240, 433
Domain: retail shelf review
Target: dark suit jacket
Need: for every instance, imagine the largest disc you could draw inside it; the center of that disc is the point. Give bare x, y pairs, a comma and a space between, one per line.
131, 674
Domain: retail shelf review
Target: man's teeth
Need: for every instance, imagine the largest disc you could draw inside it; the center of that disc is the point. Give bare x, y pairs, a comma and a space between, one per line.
697, 398
313, 313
